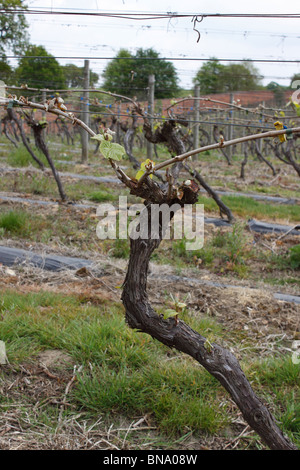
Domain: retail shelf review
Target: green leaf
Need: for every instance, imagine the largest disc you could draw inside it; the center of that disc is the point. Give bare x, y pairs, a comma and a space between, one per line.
181, 305
112, 150
43, 123
139, 174
169, 312
297, 107
208, 346
99, 137
143, 168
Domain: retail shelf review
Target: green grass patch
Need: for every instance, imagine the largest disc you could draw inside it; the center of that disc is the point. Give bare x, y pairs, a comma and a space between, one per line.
288, 260
118, 248
280, 381
275, 372
101, 196
13, 221
247, 208
273, 190
76, 190
129, 373
25, 224
178, 396
294, 257
227, 250
20, 157
285, 282
47, 227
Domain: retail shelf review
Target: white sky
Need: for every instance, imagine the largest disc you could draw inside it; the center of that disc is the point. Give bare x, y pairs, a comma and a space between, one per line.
234, 38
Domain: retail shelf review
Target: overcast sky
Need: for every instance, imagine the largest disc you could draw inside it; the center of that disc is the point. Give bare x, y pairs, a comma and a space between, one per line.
232, 38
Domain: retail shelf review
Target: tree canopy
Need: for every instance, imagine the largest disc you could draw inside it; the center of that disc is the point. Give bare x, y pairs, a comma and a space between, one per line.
74, 76
279, 92
214, 77
39, 69
128, 74
13, 27
209, 77
6, 72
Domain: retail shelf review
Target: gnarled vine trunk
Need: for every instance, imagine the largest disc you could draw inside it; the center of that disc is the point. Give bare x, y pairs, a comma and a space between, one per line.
174, 333
167, 134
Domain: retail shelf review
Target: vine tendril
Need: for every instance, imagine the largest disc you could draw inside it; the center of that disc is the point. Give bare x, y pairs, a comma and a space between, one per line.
197, 19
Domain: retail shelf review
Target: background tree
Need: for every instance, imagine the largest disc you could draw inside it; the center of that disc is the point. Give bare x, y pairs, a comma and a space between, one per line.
278, 91
117, 74
241, 77
13, 34
74, 76
6, 72
13, 26
128, 74
214, 77
40, 69
209, 77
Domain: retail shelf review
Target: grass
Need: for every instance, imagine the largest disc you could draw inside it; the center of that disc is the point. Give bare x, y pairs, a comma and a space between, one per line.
176, 397
294, 256
282, 377
247, 208
20, 157
24, 224
288, 260
45, 186
118, 248
102, 195
13, 222
50, 225
132, 374
228, 250
292, 281
231, 251
273, 190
